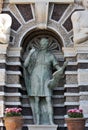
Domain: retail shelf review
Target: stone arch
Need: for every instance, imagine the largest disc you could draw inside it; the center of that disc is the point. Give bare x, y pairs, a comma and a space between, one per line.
29, 36
35, 32
25, 32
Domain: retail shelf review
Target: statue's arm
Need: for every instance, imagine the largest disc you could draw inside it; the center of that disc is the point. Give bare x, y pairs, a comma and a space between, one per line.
55, 63
57, 67
26, 62
75, 17
80, 34
7, 23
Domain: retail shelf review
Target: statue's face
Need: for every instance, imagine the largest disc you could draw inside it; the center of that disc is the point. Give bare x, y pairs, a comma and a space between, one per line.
85, 3
44, 43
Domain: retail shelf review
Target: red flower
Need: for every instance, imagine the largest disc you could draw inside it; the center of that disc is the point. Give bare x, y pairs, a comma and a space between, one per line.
75, 113
13, 111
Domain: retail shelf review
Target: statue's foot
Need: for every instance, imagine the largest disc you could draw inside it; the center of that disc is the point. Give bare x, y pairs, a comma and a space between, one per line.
51, 123
37, 123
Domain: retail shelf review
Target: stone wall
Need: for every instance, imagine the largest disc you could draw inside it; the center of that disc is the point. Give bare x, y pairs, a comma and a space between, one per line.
71, 92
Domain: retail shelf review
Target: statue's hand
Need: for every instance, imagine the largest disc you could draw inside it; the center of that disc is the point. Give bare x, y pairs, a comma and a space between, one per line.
65, 63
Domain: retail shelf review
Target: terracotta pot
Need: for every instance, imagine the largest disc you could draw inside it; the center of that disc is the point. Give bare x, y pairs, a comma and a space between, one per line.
75, 123
13, 123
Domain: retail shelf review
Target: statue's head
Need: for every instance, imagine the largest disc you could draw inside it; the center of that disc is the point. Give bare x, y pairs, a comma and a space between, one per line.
85, 3
44, 43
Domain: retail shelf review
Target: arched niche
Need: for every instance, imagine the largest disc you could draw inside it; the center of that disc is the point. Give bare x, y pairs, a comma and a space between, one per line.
55, 45
31, 39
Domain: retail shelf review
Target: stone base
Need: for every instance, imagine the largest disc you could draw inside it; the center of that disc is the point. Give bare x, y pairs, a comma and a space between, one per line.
42, 127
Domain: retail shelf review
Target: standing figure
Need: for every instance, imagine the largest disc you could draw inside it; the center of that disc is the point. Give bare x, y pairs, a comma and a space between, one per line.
38, 74
80, 24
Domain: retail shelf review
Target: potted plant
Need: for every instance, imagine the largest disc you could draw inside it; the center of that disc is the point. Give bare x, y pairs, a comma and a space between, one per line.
75, 119
13, 119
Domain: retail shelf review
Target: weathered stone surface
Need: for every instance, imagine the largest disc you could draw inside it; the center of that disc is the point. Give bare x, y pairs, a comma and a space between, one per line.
1, 108
71, 79
2, 75
83, 76
72, 98
42, 127
32, 1
13, 79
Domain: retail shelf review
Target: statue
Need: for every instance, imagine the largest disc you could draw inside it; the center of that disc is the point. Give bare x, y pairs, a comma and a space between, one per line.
5, 24
80, 24
40, 81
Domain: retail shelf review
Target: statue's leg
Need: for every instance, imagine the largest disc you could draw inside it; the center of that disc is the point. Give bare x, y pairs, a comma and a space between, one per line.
49, 109
32, 104
37, 113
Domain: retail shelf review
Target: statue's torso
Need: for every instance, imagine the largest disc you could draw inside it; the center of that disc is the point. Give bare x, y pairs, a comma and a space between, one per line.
41, 75
83, 19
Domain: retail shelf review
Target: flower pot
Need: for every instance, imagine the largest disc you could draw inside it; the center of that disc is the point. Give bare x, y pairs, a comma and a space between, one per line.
13, 123
75, 123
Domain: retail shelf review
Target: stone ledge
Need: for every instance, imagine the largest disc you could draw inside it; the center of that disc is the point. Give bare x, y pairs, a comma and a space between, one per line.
82, 61
71, 72
13, 63
2, 61
33, 1
70, 85
72, 63
42, 127
55, 96
13, 94
10, 94
71, 94
81, 48
13, 72
12, 103
56, 105
14, 85
13, 54
69, 52
82, 83
55, 117
83, 93
71, 103
2, 83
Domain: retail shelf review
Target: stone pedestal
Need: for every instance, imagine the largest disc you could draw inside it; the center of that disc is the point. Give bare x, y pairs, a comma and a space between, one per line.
42, 127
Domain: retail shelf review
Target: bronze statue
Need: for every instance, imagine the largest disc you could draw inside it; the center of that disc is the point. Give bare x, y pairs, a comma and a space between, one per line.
40, 81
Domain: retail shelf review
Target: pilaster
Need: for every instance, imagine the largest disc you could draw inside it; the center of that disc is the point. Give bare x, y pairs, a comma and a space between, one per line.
71, 86
13, 65
82, 59
3, 51
76, 86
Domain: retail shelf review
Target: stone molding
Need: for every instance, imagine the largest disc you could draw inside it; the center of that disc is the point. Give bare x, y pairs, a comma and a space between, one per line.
42, 127
33, 1
3, 48
14, 52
